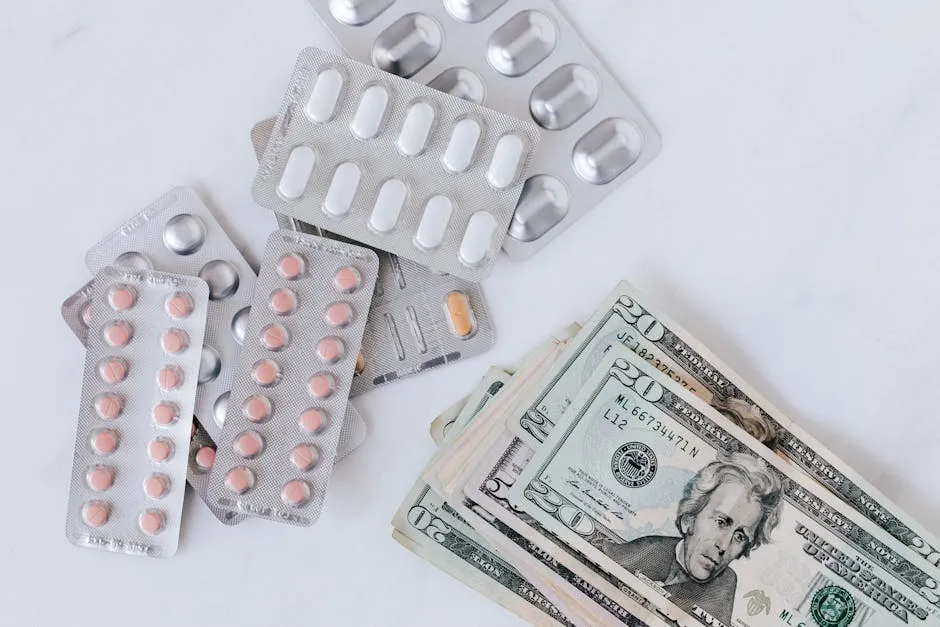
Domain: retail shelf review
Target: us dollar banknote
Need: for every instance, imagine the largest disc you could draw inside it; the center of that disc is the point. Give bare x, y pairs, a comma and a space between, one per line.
654, 486
627, 318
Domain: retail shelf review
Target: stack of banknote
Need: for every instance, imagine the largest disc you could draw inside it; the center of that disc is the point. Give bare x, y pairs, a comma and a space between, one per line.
621, 474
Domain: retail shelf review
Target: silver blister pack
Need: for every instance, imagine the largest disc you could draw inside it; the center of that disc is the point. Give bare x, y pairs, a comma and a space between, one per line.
522, 58
178, 233
136, 411
395, 165
419, 319
291, 389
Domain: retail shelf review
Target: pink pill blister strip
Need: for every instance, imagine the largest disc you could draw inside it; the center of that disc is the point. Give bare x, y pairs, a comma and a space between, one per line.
291, 390
135, 417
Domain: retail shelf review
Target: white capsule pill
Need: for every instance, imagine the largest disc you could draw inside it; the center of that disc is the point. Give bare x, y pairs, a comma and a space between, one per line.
434, 222
462, 145
326, 90
477, 239
505, 163
388, 205
371, 110
416, 128
342, 191
297, 172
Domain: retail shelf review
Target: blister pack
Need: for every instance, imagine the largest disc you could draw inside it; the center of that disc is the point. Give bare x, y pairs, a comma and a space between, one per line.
76, 311
395, 164
522, 58
419, 319
178, 233
138, 392
200, 462
290, 393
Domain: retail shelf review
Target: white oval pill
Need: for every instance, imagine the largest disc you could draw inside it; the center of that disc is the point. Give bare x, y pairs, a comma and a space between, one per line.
297, 172
325, 94
342, 191
434, 222
505, 163
388, 205
477, 239
371, 110
462, 145
416, 128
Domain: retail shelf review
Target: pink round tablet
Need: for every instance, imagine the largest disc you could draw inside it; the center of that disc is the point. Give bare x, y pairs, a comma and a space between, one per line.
346, 279
313, 420
274, 337
331, 349
239, 480
339, 315
305, 456
95, 513
266, 372
205, 458
295, 493
151, 522
99, 478
109, 406
165, 413
321, 385
283, 301
117, 333
112, 370
86, 315
192, 429
257, 408
169, 378
156, 485
122, 297
248, 444
104, 441
179, 305
290, 266
160, 449
174, 341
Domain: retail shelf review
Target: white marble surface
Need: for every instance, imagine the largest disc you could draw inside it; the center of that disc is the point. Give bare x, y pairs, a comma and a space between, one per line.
791, 222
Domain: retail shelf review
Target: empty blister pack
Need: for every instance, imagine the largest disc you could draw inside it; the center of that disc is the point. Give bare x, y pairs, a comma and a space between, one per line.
418, 320
178, 233
395, 164
522, 58
134, 420
290, 393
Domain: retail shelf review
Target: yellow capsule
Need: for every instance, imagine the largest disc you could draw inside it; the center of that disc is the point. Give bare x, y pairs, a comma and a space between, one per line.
360, 364
459, 314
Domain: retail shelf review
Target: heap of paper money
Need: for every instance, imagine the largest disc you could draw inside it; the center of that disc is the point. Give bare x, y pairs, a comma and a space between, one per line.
621, 474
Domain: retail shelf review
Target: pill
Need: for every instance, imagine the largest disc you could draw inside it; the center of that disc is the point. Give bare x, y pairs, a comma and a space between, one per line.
305, 456
219, 407
99, 478
331, 349
174, 341
274, 337
221, 277
324, 95
291, 266
184, 234
295, 493
360, 363
459, 314
179, 305
505, 162
248, 444
388, 205
165, 413
283, 301
86, 315
95, 513
169, 378
321, 385
109, 406
122, 297
210, 365
160, 449
257, 408
266, 372
370, 112
342, 190
117, 333
462, 145
477, 239
338, 315
347, 279
133, 260
415, 129
151, 521
104, 441
112, 370
297, 172
156, 485
313, 420
239, 479
205, 458
433, 223
192, 428
240, 324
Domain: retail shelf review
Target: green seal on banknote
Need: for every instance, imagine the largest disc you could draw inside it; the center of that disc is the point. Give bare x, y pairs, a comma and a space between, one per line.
832, 607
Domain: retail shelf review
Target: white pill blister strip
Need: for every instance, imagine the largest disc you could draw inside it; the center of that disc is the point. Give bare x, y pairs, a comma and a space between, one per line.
136, 411
178, 233
291, 390
419, 319
525, 59
395, 165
